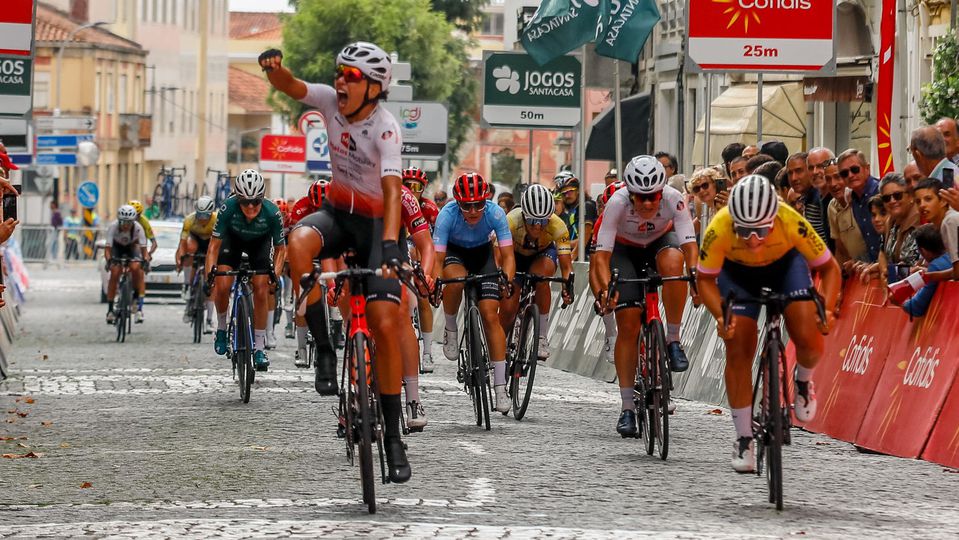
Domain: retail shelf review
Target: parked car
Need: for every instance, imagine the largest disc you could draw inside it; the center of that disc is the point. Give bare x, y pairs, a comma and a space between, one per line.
162, 280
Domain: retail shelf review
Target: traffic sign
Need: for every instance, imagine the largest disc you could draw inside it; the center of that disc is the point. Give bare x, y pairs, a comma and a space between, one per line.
15, 85
283, 154
16, 21
423, 128
88, 194
13, 131
310, 119
61, 141
791, 36
57, 159
64, 123
519, 93
318, 150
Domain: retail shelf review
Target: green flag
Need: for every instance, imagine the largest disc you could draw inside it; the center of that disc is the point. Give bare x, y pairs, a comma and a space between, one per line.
560, 26
628, 25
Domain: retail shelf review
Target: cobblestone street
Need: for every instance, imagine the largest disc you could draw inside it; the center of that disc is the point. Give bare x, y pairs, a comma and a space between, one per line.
149, 439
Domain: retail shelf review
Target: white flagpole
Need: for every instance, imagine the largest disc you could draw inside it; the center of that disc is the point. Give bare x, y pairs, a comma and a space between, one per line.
618, 118
582, 160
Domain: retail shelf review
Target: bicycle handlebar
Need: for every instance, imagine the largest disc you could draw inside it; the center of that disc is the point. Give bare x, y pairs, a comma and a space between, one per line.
468, 280
567, 283
768, 298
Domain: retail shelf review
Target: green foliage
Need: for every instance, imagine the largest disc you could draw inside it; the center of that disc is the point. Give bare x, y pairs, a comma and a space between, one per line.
506, 168
465, 14
940, 98
318, 30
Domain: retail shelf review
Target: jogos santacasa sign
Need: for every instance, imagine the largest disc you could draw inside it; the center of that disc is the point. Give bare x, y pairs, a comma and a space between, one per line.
761, 35
518, 92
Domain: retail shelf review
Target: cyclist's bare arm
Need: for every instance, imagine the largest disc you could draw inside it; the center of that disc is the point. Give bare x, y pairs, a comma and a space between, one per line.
282, 78
565, 265
508, 261
392, 209
831, 284
691, 253
279, 257
212, 254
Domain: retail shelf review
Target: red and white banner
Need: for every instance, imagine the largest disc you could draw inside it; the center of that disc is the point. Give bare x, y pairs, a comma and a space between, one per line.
761, 35
16, 27
885, 83
283, 154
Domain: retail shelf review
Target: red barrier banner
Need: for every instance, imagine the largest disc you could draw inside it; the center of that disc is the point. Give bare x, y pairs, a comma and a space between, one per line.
853, 359
917, 376
943, 444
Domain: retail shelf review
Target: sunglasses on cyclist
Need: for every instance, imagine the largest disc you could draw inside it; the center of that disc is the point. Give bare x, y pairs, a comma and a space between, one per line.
855, 169
204, 215
647, 197
476, 206
349, 73
533, 222
704, 185
250, 202
745, 232
890, 196
415, 186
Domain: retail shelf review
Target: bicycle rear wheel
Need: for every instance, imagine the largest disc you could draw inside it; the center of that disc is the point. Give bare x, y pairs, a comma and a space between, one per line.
197, 302
365, 420
773, 423
659, 387
123, 315
244, 349
479, 358
523, 369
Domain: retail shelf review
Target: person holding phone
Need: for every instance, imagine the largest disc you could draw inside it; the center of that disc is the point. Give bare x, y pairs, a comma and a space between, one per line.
928, 148
10, 195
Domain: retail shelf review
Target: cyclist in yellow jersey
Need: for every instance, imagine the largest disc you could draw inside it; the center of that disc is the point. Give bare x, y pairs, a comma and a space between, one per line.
757, 242
195, 238
148, 231
540, 243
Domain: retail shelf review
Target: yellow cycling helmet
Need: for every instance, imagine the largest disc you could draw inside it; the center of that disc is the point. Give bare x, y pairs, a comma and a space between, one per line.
137, 205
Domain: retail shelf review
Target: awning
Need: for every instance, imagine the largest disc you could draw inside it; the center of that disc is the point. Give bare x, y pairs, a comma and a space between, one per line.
602, 144
837, 89
734, 119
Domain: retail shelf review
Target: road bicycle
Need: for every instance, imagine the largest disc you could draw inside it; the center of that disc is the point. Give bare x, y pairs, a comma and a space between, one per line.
166, 193
772, 421
124, 306
222, 186
240, 346
359, 407
197, 298
654, 381
522, 342
474, 362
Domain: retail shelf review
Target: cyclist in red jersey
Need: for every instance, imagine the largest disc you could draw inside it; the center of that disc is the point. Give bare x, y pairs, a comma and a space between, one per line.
609, 320
416, 181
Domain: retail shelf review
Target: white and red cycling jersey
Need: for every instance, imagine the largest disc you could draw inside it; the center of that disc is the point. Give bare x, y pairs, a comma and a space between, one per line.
300, 210
361, 154
622, 225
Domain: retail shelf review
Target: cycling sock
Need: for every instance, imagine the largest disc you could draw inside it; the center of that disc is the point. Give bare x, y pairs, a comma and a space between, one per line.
391, 414
672, 332
609, 320
803, 374
221, 321
259, 336
335, 314
427, 343
316, 320
301, 337
210, 310
139, 303
412, 385
743, 420
499, 373
270, 313
450, 321
543, 324
110, 305
289, 315
627, 395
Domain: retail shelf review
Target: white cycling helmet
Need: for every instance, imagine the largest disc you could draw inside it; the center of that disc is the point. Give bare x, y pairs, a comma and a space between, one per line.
370, 59
753, 202
645, 175
127, 213
249, 184
537, 202
205, 205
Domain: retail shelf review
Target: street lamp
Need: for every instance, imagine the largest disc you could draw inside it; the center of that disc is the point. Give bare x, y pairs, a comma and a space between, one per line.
63, 44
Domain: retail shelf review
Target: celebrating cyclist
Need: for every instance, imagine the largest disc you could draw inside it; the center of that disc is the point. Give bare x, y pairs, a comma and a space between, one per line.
246, 223
415, 180
361, 212
757, 242
645, 226
463, 246
195, 238
540, 244
140, 271
125, 240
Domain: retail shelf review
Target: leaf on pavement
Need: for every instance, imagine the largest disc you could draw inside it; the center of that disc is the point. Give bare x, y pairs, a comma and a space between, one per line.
29, 400
30, 454
954, 471
86, 485
45, 357
823, 443
261, 448
64, 445
46, 423
22, 414
21, 438
716, 412
10, 420
21, 445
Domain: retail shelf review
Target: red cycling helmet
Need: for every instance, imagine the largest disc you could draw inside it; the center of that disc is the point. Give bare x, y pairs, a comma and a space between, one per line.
281, 204
608, 192
470, 187
318, 192
414, 174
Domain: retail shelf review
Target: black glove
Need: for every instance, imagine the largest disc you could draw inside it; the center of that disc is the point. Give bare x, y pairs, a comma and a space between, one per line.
392, 256
268, 54
208, 285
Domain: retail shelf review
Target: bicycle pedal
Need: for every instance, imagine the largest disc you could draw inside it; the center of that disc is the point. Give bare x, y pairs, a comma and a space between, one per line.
414, 430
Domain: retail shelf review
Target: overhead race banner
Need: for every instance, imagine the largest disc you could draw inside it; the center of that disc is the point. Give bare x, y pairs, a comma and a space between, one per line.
283, 154
424, 127
519, 93
628, 27
792, 36
559, 26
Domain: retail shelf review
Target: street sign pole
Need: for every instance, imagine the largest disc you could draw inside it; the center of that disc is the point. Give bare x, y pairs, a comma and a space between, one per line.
581, 235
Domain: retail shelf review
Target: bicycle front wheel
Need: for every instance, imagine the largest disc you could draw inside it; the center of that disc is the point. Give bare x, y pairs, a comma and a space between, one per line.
773, 422
524, 364
244, 349
479, 361
659, 388
197, 309
365, 421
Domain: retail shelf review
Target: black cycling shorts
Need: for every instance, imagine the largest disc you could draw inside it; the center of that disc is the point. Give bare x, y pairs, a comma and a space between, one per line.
129, 251
259, 250
787, 275
342, 231
202, 244
476, 260
632, 262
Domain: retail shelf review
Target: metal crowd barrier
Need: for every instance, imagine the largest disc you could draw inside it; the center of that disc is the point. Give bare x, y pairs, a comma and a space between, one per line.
43, 243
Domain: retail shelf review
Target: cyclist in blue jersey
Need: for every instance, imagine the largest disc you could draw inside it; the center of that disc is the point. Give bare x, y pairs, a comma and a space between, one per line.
463, 240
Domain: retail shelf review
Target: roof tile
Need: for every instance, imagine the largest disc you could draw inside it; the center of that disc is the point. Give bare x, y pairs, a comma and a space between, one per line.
54, 25
249, 91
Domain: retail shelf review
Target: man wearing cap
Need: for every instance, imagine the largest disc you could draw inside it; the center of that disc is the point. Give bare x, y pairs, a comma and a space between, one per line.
567, 185
611, 176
